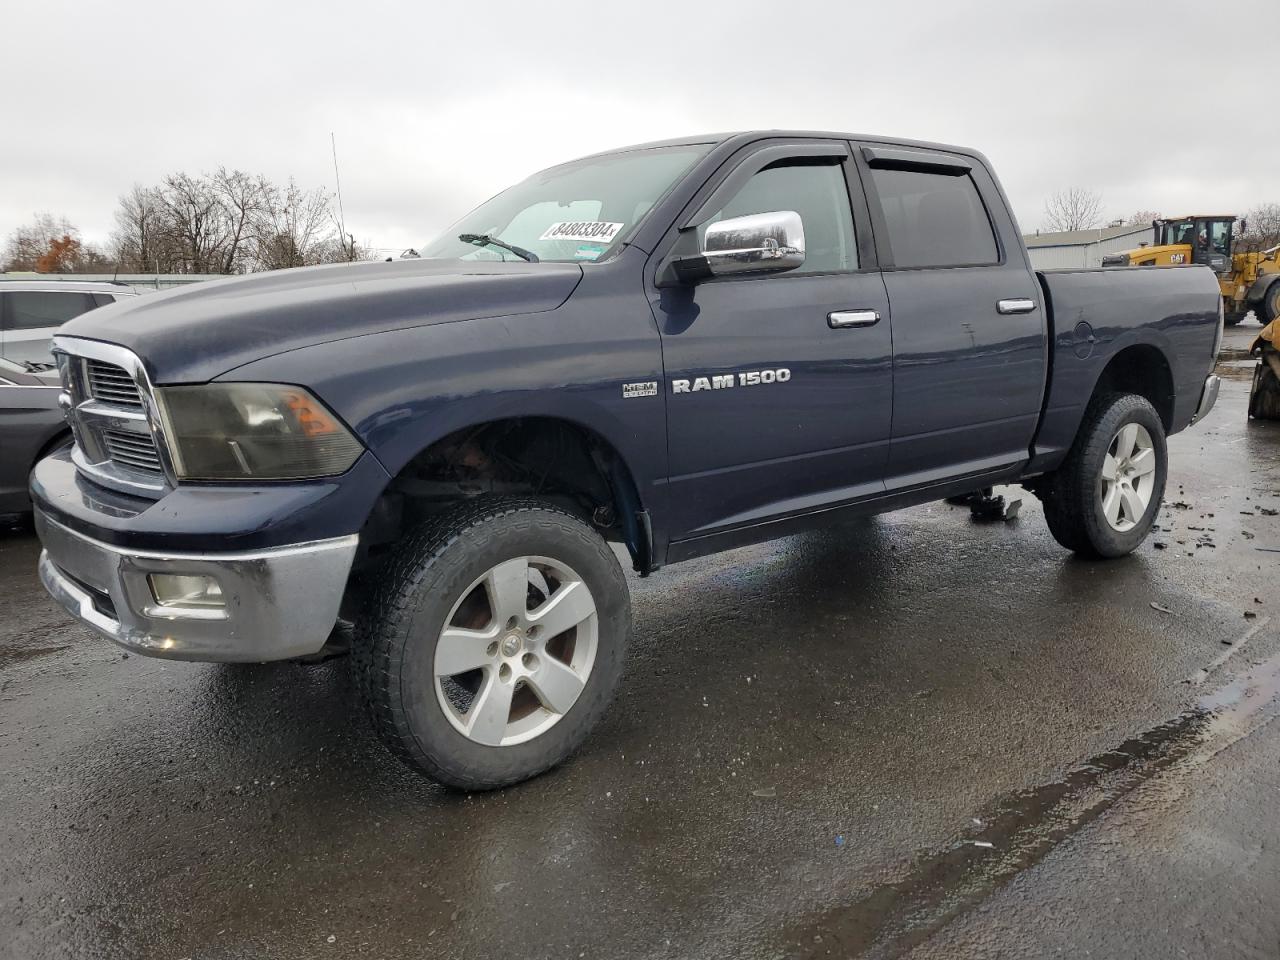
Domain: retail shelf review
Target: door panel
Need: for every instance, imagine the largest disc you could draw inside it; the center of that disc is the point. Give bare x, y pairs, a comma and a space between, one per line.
968, 380
815, 435
968, 374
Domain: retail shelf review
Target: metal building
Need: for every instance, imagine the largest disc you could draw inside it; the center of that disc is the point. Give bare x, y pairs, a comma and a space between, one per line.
1084, 248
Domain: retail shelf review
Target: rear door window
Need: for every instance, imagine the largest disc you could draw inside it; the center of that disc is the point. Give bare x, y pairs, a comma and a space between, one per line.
35, 309
934, 219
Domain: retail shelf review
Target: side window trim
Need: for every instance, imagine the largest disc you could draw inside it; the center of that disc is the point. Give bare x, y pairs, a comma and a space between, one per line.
924, 162
4, 312
864, 228
767, 156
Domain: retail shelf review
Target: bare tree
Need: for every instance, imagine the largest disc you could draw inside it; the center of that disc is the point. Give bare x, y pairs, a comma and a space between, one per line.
1262, 227
50, 244
293, 228
29, 242
141, 240
229, 221
194, 222
244, 200
1073, 209
1142, 217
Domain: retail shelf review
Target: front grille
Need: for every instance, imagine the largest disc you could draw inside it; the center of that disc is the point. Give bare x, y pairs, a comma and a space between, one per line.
135, 450
111, 416
112, 384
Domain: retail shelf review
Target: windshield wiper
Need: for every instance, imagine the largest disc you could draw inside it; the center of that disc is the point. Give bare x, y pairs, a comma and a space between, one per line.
484, 239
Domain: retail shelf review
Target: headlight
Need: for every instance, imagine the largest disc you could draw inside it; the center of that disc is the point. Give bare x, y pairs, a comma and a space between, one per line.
253, 431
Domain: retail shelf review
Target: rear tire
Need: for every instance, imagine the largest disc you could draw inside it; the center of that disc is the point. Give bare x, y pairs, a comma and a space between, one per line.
464, 672
1104, 498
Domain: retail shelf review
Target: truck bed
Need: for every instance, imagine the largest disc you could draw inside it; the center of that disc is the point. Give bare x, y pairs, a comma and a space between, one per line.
1155, 317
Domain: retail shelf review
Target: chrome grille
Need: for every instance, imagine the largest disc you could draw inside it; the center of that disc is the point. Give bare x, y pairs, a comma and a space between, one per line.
109, 404
132, 449
112, 384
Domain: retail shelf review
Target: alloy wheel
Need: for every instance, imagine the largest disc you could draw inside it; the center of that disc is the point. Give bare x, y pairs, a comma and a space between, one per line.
1128, 477
516, 651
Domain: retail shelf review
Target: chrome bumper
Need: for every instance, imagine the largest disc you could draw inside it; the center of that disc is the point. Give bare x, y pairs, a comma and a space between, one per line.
278, 603
1208, 397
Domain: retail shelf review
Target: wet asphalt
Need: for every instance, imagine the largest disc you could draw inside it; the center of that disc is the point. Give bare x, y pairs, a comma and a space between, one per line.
816, 740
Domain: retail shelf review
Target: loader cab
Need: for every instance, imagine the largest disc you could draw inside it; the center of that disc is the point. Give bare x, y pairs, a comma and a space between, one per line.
1208, 237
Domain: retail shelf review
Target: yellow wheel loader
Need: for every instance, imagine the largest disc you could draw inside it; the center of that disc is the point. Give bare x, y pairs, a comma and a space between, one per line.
1264, 397
1249, 279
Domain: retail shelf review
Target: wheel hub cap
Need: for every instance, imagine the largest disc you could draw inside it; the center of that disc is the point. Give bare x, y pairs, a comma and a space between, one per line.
511, 646
1128, 477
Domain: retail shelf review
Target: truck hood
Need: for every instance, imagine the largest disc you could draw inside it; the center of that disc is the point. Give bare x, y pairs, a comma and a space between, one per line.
200, 331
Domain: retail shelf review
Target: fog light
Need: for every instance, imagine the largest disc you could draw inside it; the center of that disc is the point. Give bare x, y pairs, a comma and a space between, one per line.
185, 590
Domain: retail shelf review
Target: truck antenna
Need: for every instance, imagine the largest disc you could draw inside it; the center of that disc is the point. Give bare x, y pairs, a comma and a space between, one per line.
342, 219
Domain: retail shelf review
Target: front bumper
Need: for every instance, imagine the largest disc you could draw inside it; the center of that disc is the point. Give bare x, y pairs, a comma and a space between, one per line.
279, 603
1208, 397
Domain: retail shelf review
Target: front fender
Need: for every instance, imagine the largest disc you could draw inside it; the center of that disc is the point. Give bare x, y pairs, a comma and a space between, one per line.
403, 390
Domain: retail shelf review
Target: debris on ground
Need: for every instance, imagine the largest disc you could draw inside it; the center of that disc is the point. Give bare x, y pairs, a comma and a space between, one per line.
1250, 615
1160, 546
765, 792
1161, 608
985, 844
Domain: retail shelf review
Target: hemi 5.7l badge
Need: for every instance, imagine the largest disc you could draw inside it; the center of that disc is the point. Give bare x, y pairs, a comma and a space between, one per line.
645, 388
724, 381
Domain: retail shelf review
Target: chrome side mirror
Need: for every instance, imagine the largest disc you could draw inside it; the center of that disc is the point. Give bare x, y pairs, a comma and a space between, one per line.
757, 243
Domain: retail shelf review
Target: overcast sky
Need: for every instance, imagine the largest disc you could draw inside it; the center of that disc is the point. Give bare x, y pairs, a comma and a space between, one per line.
1162, 105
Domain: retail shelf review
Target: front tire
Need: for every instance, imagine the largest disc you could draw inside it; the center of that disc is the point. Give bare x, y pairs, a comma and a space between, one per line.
494, 641
1104, 498
1271, 304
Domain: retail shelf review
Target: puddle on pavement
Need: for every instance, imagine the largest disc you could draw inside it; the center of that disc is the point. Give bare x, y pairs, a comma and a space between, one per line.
1021, 830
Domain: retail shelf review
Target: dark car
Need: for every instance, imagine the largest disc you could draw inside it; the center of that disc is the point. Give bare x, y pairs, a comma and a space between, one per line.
31, 425
679, 347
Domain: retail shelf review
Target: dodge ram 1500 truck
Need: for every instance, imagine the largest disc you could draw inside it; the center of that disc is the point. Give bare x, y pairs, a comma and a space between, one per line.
679, 347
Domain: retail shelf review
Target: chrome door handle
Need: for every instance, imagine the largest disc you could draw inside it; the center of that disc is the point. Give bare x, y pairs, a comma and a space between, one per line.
1016, 305
852, 318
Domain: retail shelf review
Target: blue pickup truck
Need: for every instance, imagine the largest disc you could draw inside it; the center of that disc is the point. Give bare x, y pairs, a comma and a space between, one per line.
678, 347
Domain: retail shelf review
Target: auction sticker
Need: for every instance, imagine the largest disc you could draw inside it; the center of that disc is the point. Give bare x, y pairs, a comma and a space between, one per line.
598, 231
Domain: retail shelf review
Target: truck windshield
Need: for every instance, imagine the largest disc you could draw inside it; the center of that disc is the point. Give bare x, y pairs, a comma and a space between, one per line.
580, 211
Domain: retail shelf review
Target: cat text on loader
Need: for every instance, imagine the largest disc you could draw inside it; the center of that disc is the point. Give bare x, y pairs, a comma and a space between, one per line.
1250, 280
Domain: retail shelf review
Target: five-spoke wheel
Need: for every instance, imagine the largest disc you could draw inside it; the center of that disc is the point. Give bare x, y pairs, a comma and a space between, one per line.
1102, 500
1128, 477
516, 651
494, 641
